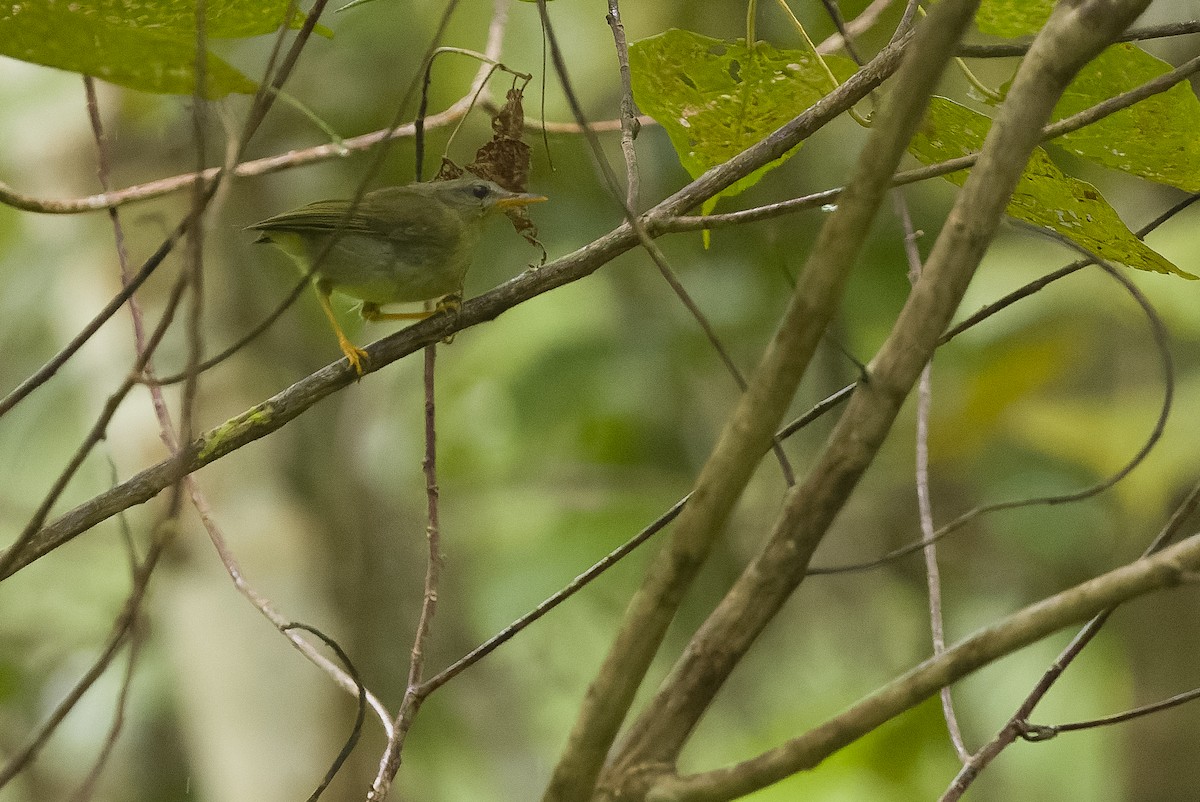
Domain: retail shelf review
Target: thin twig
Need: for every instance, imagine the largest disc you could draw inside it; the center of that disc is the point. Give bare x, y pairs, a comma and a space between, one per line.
194, 238
359, 716
1040, 732
573, 587
1012, 49
1038, 284
645, 240
629, 120
933, 578
87, 788
857, 26
843, 30
264, 324
1018, 722
415, 692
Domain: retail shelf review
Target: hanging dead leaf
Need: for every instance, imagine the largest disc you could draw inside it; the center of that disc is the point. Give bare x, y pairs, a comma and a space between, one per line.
505, 159
448, 171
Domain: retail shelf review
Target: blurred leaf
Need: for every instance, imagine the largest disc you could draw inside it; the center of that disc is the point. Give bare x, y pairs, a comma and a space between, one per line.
1099, 435
223, 18
1154, 139
1012, 17
715, 98
147, 47
1007, 373
1044, 196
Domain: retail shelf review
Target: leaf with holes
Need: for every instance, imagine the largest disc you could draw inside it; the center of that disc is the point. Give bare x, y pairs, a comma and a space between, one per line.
1044, 196
715, 98
1154, 139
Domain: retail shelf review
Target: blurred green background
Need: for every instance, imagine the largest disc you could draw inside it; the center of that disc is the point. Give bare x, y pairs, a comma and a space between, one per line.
565, 426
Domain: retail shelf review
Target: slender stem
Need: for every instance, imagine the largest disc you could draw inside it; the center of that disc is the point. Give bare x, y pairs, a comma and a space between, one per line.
415, 693
629, 119
933, 579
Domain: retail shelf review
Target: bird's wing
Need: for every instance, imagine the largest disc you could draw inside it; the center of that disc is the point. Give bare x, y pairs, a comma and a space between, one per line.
330, 215
427, 223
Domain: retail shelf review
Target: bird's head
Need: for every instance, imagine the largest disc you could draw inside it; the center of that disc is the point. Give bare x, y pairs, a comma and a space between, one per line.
471, 196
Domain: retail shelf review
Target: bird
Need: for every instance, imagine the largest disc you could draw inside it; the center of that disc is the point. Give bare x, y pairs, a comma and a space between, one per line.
396, 245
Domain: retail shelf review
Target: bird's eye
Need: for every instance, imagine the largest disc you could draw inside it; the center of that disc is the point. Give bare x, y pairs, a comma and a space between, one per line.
480, 191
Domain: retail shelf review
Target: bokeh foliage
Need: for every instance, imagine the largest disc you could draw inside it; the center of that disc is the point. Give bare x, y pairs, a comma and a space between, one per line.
565, 426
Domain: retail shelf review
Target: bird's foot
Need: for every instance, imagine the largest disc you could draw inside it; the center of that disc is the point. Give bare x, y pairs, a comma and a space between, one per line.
451, 303
355, 355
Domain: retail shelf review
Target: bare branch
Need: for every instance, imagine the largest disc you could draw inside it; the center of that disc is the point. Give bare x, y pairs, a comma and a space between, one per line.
1069, 40
1011, 49
655, 739
1027, 626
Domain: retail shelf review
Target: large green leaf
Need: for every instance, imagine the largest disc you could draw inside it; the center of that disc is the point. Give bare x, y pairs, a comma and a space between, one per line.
1012, 17
715, 98
1154, 139
223, 18
1045, 196
142, 44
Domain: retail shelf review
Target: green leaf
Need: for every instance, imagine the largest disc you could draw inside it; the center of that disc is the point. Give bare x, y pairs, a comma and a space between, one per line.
1011, 18
223, 18
155, 58
715, 98
1044, 196
1155, 139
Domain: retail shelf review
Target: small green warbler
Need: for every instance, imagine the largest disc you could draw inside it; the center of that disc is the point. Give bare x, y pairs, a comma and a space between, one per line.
398, 245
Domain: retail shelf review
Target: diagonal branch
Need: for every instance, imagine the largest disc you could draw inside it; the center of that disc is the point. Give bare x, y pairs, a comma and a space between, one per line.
745, 437
1166, 569
662, 729
1072, 37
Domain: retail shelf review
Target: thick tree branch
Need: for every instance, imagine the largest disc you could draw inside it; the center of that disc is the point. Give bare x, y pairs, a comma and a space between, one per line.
1072, 37
729, 467
662, 729
1163, 570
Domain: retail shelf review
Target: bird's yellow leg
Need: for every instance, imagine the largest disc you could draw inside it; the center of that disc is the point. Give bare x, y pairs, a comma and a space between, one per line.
450, 303
371, 312
353, 353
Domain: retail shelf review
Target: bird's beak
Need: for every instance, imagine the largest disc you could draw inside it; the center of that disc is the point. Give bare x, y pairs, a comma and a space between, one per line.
519, 199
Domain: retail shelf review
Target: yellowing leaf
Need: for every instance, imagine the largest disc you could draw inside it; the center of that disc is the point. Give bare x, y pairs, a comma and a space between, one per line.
1044, 196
